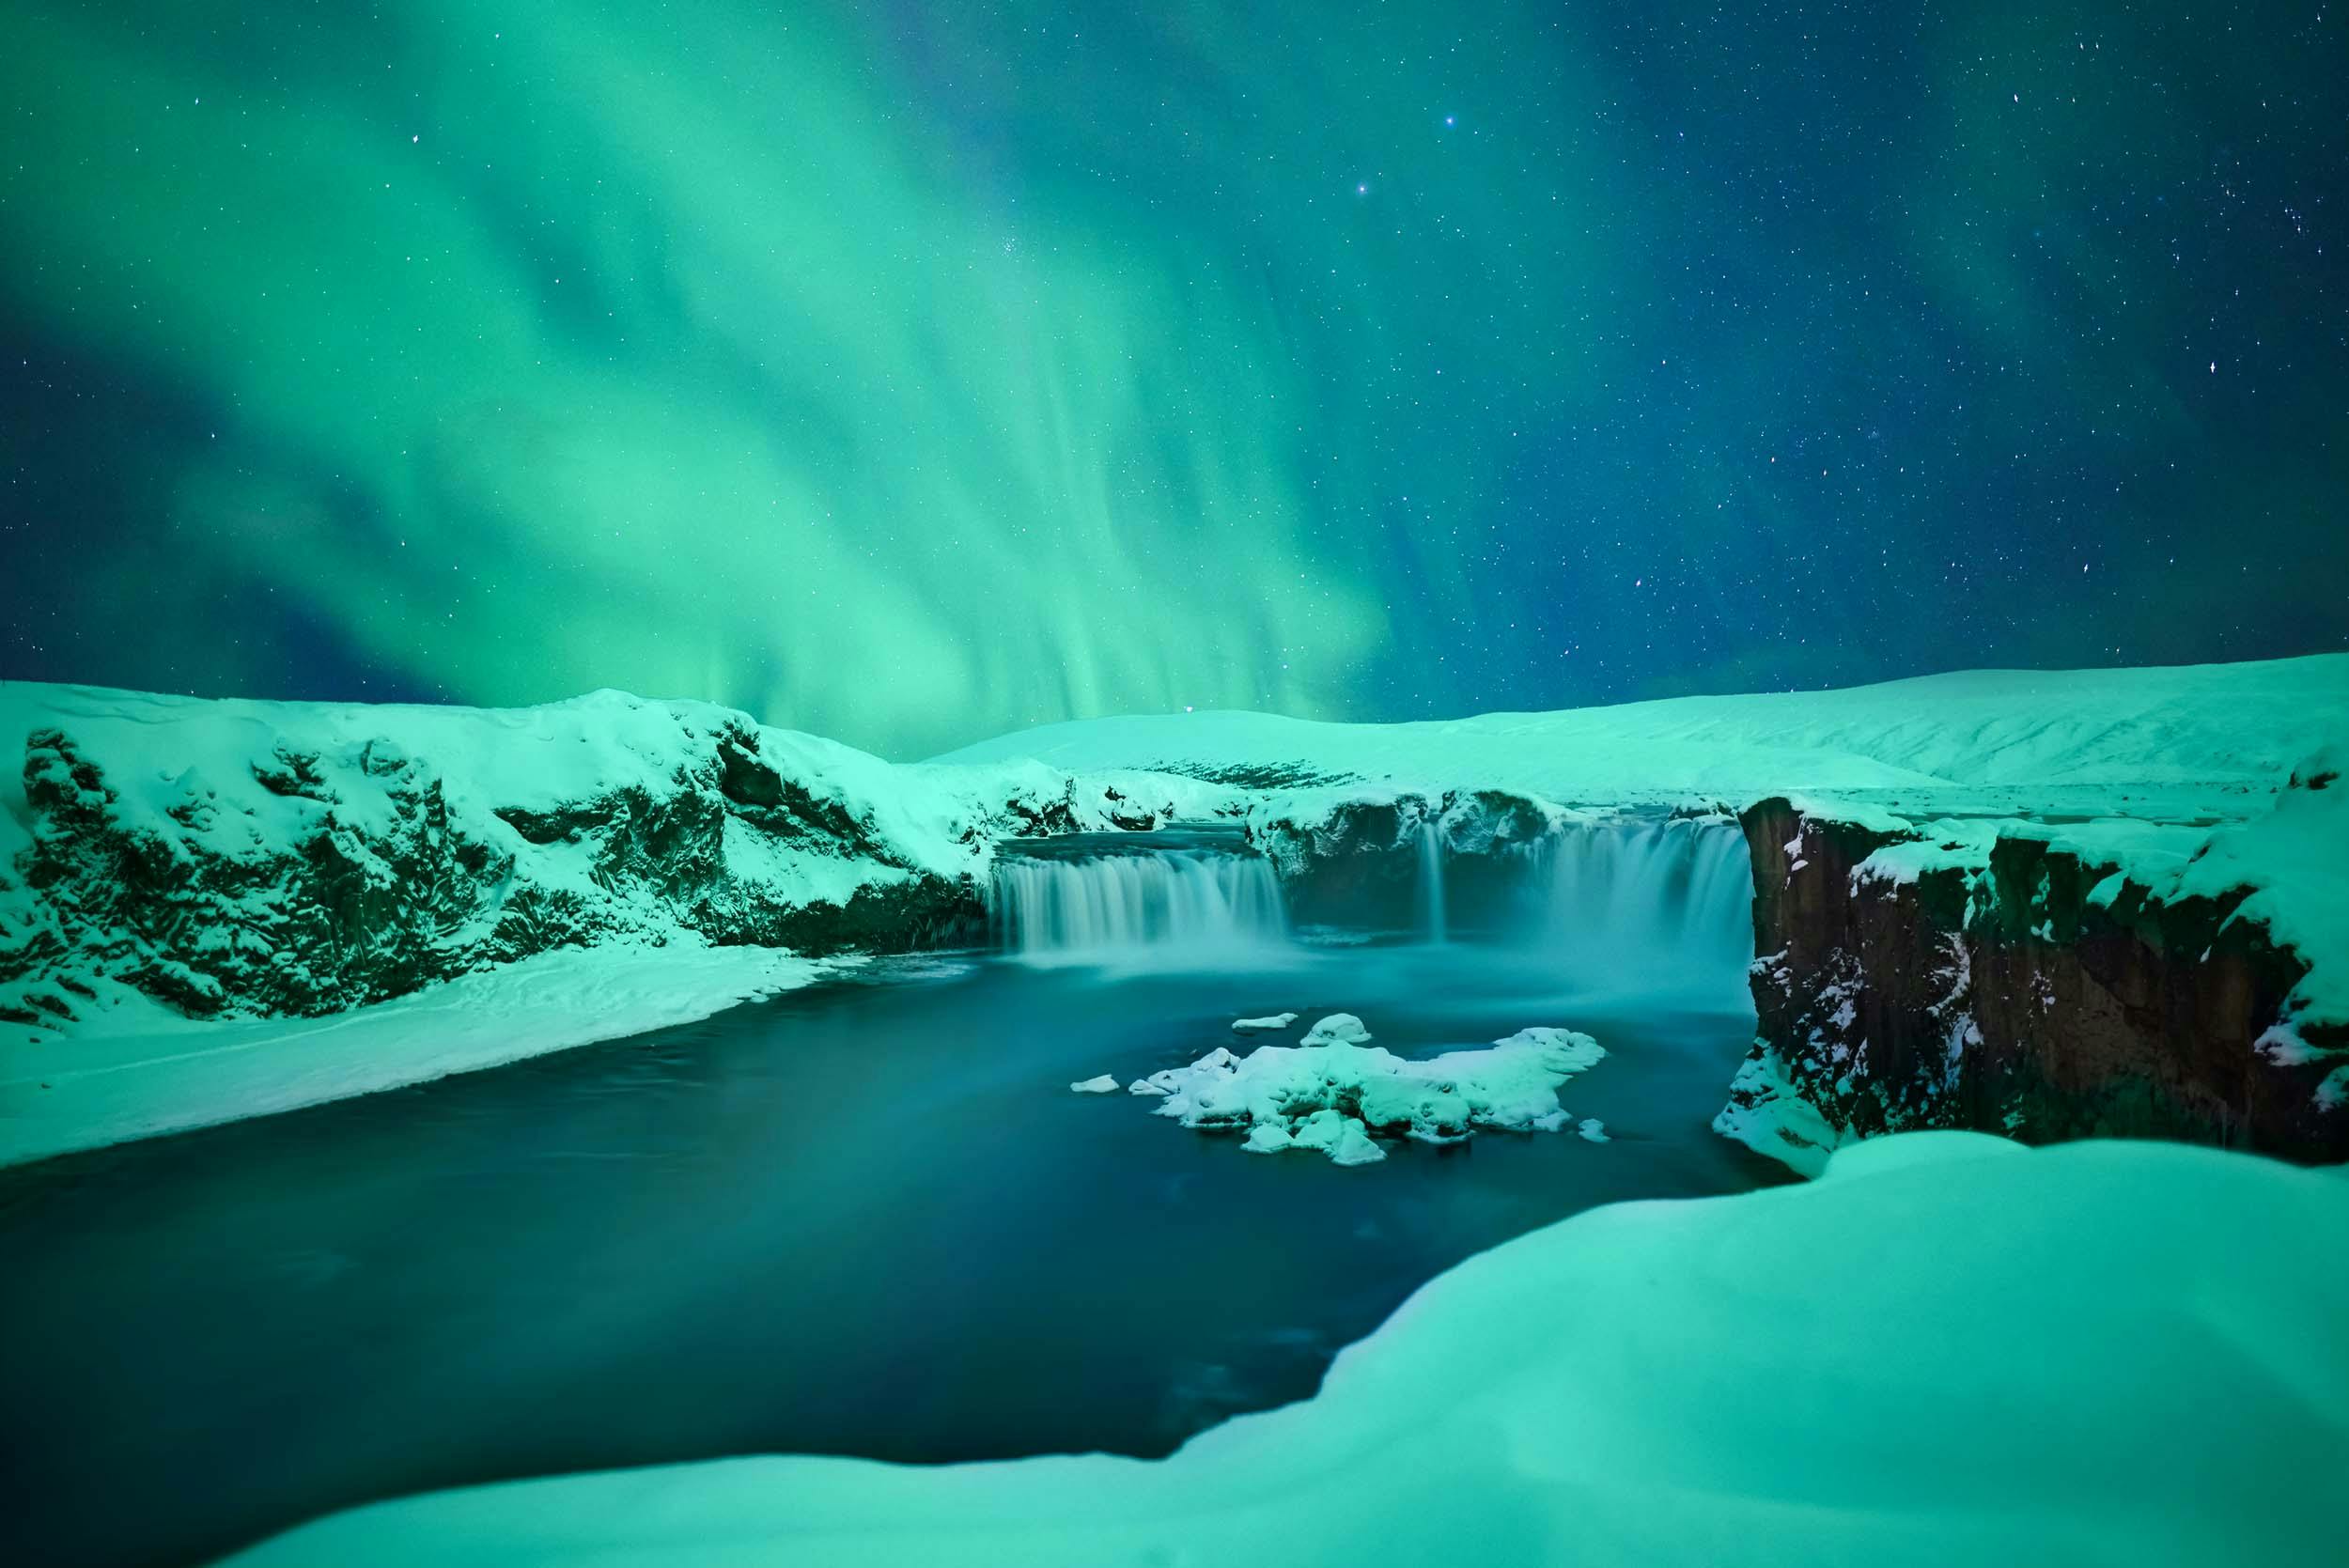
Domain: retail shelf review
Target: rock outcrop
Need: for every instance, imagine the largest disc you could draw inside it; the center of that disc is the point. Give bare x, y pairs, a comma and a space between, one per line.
1356, 857
255, 859
2011, 984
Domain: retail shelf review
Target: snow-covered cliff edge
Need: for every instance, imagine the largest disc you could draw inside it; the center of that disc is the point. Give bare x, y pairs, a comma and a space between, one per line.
246, 859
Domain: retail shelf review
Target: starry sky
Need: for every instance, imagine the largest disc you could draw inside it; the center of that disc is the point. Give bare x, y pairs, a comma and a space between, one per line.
909, 372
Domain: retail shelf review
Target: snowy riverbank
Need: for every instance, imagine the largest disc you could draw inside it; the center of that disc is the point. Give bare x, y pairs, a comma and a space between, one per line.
145, 1070
1948, 1351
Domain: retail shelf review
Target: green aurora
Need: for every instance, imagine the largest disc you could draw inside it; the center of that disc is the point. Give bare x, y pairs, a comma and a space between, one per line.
910, 373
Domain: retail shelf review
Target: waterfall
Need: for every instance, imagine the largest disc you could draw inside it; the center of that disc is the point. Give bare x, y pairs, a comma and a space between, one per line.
1107, 907
1431, 921
1637, 898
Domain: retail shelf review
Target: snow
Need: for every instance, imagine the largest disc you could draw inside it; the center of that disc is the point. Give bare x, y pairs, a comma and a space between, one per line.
1101, 1085
144, 1070
2176, 776
1330, 1094
1769, 1115
1949, 1351
2192, 740
637, 818
1593, 1130
1264, 1025
1338, 1028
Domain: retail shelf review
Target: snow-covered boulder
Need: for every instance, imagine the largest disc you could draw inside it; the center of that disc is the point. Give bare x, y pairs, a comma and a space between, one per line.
1331, 1098
1338, 1028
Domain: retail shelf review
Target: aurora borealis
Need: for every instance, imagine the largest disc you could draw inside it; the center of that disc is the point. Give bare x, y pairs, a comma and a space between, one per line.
910, 372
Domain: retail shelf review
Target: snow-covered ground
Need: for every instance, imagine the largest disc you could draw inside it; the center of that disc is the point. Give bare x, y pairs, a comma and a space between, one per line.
1947, 1351
145, 1070
2182, 742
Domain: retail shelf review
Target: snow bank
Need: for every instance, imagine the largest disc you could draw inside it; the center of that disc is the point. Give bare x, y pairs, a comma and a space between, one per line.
1948, 1352
146, 1070
1330, 1094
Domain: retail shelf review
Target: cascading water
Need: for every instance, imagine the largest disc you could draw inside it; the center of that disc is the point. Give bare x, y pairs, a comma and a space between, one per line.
1431, 915
1116, 906
1627, 899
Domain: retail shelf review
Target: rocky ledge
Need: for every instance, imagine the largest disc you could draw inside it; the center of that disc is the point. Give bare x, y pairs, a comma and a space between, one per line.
232, 859
2013, 979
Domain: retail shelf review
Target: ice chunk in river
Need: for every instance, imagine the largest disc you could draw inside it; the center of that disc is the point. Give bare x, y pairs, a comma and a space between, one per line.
1331, 1097
1262, 1025
1102, 1085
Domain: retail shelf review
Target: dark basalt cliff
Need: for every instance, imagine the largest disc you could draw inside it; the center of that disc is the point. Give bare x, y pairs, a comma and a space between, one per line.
312, 862
2002, 997
1358, 861
368, 904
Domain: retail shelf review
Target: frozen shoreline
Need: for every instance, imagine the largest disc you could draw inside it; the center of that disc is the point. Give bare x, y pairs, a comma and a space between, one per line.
1936, 1353
142, 1072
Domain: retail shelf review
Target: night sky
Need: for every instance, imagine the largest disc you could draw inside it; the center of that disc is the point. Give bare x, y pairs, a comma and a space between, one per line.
912, 372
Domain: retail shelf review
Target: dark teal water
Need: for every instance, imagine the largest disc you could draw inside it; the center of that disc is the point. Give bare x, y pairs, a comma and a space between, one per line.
864, 1218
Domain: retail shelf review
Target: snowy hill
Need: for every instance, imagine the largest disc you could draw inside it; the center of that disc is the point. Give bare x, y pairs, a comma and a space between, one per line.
2191, 740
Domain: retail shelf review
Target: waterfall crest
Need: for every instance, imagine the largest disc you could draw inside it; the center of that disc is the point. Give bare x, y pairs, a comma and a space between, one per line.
1111, 907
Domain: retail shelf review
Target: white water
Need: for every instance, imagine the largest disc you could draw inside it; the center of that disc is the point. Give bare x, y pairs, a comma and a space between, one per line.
1631, 903
1111, 908
1431, 920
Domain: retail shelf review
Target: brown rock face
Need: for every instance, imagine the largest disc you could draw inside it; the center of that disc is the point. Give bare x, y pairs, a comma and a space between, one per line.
1999, 997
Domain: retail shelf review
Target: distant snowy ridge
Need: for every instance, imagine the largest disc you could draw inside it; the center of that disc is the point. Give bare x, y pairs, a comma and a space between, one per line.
2200, 737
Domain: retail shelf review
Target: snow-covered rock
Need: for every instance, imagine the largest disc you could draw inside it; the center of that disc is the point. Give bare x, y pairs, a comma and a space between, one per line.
1331, 1098
1338, 1028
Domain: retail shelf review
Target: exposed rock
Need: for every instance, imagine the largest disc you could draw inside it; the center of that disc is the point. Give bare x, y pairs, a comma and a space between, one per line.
241, 858
2024, 990
1337, 859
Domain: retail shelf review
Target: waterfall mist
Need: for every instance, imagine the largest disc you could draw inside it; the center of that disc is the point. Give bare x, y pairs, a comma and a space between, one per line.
1627, 903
